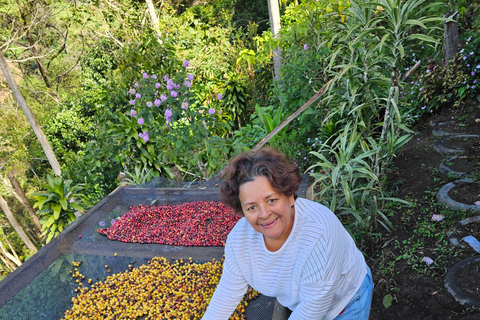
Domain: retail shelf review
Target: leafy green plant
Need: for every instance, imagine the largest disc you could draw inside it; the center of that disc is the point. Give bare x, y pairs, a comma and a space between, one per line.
271, 118
58, 204
346, 183
138, 177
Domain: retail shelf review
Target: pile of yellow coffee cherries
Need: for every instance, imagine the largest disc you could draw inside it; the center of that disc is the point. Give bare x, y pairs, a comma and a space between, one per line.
158, 290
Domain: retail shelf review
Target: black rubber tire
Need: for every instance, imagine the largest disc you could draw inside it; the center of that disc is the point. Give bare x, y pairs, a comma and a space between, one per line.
452, 286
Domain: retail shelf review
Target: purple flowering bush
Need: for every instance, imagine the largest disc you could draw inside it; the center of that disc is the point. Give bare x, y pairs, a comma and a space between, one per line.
165, 121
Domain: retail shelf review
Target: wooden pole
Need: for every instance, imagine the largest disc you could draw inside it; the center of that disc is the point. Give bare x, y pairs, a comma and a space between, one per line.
47, 148
26, 203
450, 33
16, 225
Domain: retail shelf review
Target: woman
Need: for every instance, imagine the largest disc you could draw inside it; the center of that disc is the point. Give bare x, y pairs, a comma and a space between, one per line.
286, 247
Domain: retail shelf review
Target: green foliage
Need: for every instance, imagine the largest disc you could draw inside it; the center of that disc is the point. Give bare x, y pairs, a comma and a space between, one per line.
166, 122
346, 182
471, 65
67, 131
271, 118
57, 205
95, 167
138, 176
235, 98
364, 127
441, 85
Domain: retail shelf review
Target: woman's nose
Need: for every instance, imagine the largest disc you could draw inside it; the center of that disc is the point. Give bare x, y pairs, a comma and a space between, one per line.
263, 211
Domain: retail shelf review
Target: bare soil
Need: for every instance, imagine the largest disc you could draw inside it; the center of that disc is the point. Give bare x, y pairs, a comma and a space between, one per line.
422, 295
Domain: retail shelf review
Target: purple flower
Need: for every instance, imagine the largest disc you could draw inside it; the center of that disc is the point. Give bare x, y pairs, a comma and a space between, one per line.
187, 84
211, 111
140, 135
186, 63
189, 77
149, 104
157, 102
157, 85
138, 96
145, 75
477, 203
169, 87
219, 96
140, 121
145, 136
117, 208
176, 86
427, 260
153, 76
133, 113
163, 97
132, 102
173, 93
168, 113
102, 223
305, 46
131, 91
135, 85
165, 78
473, 73
437, 217
185, 105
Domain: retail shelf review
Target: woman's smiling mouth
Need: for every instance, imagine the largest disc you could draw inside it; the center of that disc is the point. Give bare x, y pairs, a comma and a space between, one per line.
269, 224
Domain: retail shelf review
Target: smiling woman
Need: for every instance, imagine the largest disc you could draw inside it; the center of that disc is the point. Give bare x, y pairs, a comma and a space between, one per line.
286, 247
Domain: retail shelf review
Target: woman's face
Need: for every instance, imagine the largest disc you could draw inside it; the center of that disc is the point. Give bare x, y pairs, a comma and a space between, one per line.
268, 212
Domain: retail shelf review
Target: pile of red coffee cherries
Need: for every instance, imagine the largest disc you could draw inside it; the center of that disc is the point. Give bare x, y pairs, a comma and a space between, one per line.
198, 223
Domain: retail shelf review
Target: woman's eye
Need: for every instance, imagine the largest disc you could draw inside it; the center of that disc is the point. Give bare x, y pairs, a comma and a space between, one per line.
251, 208
271, 200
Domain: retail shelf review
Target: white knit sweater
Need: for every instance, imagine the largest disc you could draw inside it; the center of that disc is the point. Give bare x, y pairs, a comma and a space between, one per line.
315, 273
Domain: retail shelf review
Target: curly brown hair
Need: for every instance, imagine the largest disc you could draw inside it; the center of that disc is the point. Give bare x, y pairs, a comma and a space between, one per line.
283, 175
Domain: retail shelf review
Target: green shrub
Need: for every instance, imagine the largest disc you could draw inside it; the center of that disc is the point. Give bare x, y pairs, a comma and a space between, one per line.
58, 204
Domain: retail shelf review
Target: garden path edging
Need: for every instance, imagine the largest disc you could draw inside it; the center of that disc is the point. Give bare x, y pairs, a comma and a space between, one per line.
437, 132
452, 286
439, 148
452, 238
443, 197
447, 171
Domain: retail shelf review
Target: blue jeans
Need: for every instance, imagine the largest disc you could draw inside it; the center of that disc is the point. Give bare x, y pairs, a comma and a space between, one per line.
359, 307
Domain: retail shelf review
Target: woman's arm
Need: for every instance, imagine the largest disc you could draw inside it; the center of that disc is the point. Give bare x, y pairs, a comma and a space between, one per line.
229, 292
226, 298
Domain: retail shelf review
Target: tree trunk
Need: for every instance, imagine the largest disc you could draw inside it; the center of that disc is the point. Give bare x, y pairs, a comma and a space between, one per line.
10, 257
16, 225
153, 17
26, 203
274, 13
151, 11
450, 30
30, 116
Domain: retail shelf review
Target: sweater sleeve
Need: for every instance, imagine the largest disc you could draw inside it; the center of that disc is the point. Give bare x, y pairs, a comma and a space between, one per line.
229, 292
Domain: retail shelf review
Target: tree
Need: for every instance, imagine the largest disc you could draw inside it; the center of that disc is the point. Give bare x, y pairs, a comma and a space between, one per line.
30, 116
25, 202
16, 225
274, 12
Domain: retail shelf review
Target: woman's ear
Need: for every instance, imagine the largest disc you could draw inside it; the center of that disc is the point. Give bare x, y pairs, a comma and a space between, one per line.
291, 200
